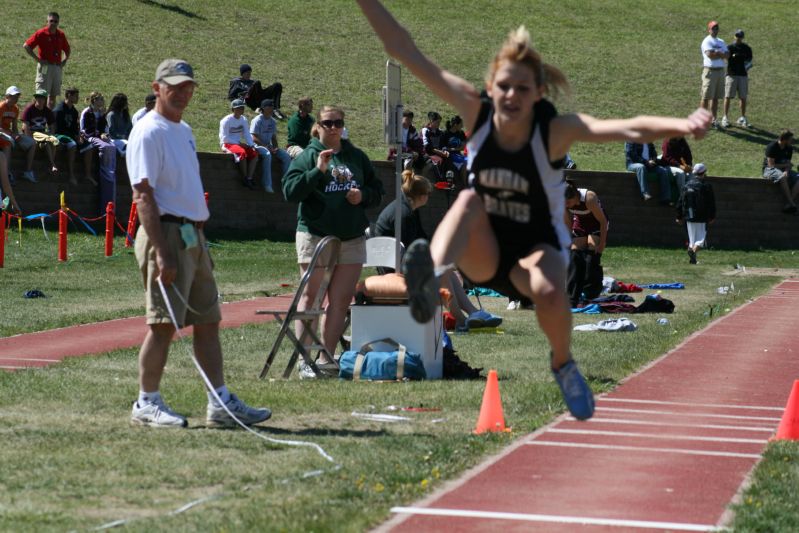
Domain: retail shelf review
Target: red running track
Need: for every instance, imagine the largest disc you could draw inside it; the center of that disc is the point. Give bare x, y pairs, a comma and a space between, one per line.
52, 346
668, 450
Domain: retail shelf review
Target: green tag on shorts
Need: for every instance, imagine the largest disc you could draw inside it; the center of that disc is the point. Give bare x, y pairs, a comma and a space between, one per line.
189, 235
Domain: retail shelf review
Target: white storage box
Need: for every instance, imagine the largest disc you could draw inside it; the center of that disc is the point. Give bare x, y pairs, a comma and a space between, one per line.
373, 322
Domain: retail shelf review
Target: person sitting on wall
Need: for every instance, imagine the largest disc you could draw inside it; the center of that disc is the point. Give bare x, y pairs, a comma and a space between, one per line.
642, 159
235, 138
778, 168
38, 122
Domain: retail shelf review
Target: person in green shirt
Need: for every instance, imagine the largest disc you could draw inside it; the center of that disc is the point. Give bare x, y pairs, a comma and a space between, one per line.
334, 183
299, 127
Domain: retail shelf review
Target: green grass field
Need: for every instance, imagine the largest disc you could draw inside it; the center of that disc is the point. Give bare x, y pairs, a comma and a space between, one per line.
69, 460
622, 58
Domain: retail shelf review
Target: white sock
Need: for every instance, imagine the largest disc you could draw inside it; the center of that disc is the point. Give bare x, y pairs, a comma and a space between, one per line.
223, 393
148, 397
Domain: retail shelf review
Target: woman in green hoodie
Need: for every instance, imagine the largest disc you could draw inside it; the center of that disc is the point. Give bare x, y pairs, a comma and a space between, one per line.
334, 183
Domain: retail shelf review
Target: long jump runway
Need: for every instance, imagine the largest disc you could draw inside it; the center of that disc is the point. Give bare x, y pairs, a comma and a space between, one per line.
668, 450
52, 346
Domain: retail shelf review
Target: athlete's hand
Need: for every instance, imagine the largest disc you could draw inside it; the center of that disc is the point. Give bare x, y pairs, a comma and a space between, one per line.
324, 160
699, 122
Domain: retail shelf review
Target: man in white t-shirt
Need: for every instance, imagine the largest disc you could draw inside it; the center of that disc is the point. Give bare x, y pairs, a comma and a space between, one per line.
714, 53
171, 250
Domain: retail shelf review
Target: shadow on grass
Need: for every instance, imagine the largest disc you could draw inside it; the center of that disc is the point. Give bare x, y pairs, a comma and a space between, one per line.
313, 432
751, 134
173, 8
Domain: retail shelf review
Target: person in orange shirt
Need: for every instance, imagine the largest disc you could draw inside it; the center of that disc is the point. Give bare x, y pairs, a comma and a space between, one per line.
10, 136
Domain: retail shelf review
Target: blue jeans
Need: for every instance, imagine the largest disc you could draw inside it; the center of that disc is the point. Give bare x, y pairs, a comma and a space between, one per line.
266, 161
663, 174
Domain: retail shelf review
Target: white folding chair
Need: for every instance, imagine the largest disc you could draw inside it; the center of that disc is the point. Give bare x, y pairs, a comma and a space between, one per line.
381, 252
309, 341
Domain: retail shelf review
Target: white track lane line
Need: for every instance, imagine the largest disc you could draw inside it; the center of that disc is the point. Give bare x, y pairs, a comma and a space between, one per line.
667, 424
655, 436
688, 404
31, 359
581, 520
678, 413
642, 449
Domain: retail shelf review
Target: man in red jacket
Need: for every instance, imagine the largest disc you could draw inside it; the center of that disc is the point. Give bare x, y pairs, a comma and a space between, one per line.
53, 54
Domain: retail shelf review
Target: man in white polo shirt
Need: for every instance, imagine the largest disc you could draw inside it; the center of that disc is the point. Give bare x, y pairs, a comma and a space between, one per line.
714, 53
171, 247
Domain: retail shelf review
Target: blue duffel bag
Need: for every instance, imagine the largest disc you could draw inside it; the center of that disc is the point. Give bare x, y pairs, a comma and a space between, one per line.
368, 364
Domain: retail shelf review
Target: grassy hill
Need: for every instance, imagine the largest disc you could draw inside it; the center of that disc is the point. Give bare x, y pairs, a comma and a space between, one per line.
622, 58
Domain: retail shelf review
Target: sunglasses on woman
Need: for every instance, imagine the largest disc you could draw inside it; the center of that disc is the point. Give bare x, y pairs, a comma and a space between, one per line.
327, 124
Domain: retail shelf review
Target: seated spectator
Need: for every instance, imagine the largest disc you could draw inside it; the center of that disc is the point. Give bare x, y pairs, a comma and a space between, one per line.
298, 129
235, 138
250, 90
454, 141
415, 194
93, 127
67, 130
264, 134
435, 153
39, 122
149, 104
589, 229
7, 190
642, 159
697, 207
411, 144
677, 157
119, 122
778, 168
10, 136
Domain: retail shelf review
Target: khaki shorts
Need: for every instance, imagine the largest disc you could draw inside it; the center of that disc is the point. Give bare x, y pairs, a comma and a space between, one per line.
48, 77
194, 280
736, 85
352, 252
712, 83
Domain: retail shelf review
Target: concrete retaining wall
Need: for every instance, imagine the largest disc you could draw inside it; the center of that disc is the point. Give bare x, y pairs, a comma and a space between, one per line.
748, 209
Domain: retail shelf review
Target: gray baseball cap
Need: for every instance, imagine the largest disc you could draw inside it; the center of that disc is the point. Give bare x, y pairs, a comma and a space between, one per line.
174, 72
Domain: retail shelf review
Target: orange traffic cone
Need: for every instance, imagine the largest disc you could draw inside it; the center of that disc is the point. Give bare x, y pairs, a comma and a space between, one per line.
789, 425
491, 417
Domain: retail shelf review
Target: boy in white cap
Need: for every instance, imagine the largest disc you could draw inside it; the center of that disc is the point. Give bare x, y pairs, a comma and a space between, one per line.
10, 135
697, 207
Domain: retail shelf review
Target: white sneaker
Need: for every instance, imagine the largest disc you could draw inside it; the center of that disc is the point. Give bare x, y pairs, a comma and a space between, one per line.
514, 305
327, 370
28, 175
156, 414
724, 122
743, 122
217, 417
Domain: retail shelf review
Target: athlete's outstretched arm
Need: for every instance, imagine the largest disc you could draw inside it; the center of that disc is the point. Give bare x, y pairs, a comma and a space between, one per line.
568, 129
398, 43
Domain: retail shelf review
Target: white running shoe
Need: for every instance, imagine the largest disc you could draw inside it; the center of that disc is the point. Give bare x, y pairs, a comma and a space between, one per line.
724, 122
156, 414
217, 417
743, 122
